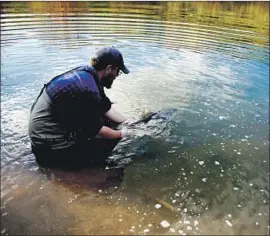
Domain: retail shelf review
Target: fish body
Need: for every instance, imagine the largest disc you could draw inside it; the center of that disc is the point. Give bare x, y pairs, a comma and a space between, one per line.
159, 115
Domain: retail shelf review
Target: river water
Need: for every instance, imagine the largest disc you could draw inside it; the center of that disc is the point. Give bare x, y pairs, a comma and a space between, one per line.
204, 169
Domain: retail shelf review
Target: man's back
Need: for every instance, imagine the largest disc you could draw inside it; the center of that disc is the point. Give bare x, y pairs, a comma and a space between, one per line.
69, 107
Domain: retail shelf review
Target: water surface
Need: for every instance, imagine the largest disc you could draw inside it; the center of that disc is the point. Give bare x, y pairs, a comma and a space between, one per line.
209, 161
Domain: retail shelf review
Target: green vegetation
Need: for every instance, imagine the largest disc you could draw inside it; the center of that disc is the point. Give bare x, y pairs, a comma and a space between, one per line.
249, 16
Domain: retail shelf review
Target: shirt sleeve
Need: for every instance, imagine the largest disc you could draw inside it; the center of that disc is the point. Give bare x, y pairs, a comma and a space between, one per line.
106, 104
80, 113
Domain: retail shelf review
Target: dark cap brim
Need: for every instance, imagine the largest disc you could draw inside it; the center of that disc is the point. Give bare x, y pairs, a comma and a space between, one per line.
124, 69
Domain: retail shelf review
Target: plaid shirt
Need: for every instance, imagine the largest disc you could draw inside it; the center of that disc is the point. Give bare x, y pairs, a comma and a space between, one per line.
79, 101
73, 81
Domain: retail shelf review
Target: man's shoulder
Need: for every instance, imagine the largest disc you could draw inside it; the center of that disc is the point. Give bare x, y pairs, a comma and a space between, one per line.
87, 78
79, 79
72, 72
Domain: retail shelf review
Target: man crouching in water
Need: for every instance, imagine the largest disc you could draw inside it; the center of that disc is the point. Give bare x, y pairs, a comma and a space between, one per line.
69, 121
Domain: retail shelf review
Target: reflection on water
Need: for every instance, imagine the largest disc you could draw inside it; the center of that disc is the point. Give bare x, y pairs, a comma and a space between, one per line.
200, 166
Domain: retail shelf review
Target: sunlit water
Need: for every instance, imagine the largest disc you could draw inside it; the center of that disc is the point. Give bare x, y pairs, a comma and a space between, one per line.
204, 65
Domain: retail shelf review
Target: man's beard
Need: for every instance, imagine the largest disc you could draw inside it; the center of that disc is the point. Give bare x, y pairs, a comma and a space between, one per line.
107, 82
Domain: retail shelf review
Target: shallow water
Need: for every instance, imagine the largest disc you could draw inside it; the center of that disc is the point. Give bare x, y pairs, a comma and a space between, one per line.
204, 65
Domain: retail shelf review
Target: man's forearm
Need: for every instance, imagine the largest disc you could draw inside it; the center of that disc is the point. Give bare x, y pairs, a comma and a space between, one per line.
114, 116
106, 132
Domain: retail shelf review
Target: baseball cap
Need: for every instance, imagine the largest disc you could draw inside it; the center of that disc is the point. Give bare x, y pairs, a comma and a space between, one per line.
112, 56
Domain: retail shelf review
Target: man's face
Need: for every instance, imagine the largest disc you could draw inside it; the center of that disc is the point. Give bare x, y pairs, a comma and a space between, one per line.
109, 76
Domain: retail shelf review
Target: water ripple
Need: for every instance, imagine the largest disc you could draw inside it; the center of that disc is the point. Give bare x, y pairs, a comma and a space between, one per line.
206, 61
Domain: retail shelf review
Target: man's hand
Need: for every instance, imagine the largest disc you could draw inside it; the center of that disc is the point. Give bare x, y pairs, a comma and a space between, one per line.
125, 132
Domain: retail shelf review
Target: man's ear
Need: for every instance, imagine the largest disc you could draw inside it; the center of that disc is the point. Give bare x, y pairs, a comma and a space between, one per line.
109, 68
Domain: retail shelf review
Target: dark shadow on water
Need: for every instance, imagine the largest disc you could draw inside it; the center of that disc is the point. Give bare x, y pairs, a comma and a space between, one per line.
90, 179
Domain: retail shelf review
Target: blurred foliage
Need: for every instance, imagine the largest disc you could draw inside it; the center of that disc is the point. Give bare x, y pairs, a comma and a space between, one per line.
250, 16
